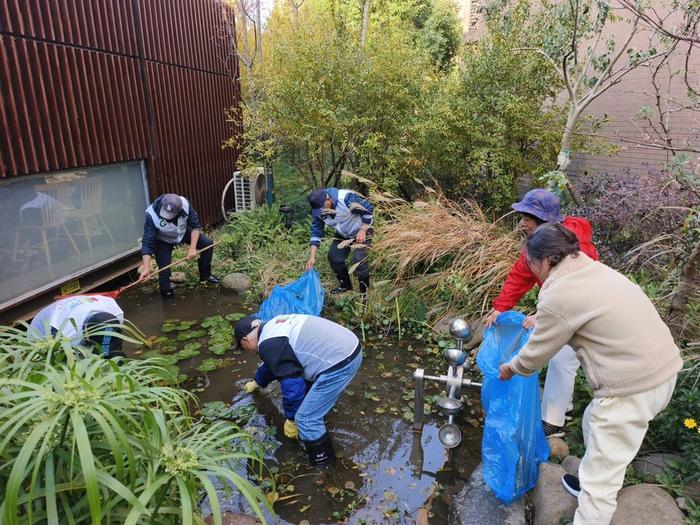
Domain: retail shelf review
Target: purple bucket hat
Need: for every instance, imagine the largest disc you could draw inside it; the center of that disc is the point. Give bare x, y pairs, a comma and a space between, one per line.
542, 204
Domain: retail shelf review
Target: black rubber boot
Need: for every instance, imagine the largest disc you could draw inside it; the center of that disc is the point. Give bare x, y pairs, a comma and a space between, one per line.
320, 451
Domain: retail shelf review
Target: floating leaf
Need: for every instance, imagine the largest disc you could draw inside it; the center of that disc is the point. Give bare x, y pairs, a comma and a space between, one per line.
235, 316
379, 410
219, 348
209, 364
184, 336
193, 346
186, 354
212, 321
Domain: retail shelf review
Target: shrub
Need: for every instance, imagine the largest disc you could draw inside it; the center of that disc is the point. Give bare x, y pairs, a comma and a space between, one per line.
88, 440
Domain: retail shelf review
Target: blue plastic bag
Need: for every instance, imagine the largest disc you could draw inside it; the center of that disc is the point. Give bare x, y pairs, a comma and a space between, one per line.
513, 444
303, 296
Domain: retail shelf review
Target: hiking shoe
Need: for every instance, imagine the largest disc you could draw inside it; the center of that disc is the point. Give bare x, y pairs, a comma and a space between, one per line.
571, 484
340, 289
552, 431
210, 280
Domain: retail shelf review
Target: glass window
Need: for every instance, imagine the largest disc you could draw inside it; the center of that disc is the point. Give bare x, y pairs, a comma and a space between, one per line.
57, 226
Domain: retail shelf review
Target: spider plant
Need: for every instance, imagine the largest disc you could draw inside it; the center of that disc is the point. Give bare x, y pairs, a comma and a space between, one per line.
88, 440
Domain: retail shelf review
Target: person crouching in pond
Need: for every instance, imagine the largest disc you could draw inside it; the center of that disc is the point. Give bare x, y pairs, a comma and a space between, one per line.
295, 350
626, 351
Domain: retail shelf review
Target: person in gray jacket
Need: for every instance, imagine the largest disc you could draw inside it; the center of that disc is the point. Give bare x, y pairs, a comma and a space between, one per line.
298, 350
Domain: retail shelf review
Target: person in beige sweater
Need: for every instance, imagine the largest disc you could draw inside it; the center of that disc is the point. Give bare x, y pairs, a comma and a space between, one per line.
626, 351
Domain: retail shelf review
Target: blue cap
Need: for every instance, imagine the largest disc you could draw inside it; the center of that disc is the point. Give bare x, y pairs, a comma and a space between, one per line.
542, 204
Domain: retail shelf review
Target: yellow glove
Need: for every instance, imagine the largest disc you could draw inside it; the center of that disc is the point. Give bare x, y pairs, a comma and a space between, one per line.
250, 386
290, 429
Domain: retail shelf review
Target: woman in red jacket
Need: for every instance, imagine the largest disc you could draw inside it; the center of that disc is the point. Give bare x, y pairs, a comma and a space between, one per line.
537, 207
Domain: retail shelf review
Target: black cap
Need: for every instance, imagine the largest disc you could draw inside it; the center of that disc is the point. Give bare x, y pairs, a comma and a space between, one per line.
102, 330
317, 198
244, 327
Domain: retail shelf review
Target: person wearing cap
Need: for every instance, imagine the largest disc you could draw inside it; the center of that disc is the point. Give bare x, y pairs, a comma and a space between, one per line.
351, 216
537, 207
171, 220
300, 350
88, 320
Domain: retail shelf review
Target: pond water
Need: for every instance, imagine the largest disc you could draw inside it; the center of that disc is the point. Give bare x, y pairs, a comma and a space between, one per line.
385, 473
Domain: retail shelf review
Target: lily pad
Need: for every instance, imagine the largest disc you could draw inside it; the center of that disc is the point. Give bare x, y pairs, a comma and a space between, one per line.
214, 320
193, 346
210, 364
185, 325
219, 348
168, 327
215, 410
184, 336
186, 354
235, 316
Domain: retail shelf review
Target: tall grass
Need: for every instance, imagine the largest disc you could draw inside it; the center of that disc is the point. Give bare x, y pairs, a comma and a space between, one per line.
88, 440
451, 252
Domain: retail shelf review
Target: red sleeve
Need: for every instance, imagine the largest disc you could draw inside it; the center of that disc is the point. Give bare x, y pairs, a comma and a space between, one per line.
520, 280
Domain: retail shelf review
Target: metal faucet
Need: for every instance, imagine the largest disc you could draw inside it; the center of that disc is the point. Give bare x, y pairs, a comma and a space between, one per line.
449, 434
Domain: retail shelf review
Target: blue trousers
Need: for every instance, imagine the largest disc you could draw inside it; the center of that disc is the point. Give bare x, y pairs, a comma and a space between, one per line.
164, 256
322, 398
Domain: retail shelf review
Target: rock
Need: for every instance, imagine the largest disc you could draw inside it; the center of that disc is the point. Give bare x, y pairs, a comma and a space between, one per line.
557, 447
682, 504
650, 465
237, 282
551, 500
646, 504
476, 505
233, 518
692, 491
178, 277
570, 464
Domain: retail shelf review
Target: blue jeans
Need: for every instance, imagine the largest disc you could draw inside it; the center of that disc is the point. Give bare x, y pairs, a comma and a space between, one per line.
321, 398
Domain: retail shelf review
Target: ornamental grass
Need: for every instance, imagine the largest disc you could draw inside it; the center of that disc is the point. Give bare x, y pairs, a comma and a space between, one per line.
449, 251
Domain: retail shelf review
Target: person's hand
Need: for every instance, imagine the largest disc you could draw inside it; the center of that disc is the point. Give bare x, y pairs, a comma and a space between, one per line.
290, 429
250, 386
145, 274
505, 372
529, 322
191, 252
361, 236
491, 319
310, 263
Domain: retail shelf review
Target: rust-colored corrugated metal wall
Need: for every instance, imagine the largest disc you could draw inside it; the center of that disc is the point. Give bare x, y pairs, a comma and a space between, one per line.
89, 82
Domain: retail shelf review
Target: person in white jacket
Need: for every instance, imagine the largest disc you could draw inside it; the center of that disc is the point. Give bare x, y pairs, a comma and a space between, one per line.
89, 320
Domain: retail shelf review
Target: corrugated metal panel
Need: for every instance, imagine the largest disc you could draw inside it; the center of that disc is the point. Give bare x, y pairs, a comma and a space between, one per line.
65, 107
190, 128
107, 25
77, 89
183, 34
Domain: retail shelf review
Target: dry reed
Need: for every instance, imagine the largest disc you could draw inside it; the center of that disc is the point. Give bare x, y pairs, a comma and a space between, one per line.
449, 251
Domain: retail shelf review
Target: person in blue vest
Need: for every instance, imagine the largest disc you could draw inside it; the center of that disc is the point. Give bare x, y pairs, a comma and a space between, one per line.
171, 220
351, 216
301, 350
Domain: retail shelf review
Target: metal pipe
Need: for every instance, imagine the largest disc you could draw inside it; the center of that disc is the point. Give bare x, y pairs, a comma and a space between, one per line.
418, 377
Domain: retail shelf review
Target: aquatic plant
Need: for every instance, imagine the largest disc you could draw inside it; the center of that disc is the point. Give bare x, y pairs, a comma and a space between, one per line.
89, 440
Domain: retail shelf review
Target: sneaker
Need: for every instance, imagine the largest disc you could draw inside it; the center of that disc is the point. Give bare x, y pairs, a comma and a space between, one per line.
571, 484
340, 289
210, 280
552, 431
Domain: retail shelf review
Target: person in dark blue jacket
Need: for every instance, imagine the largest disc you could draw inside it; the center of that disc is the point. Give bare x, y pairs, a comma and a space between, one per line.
299, 350
171, 220
351, 216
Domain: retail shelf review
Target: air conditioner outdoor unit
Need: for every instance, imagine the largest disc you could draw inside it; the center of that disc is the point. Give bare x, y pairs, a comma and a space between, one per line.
249, 189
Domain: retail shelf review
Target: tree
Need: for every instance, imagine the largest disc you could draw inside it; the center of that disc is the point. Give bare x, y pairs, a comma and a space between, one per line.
492, 120
587, 53
329, 102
